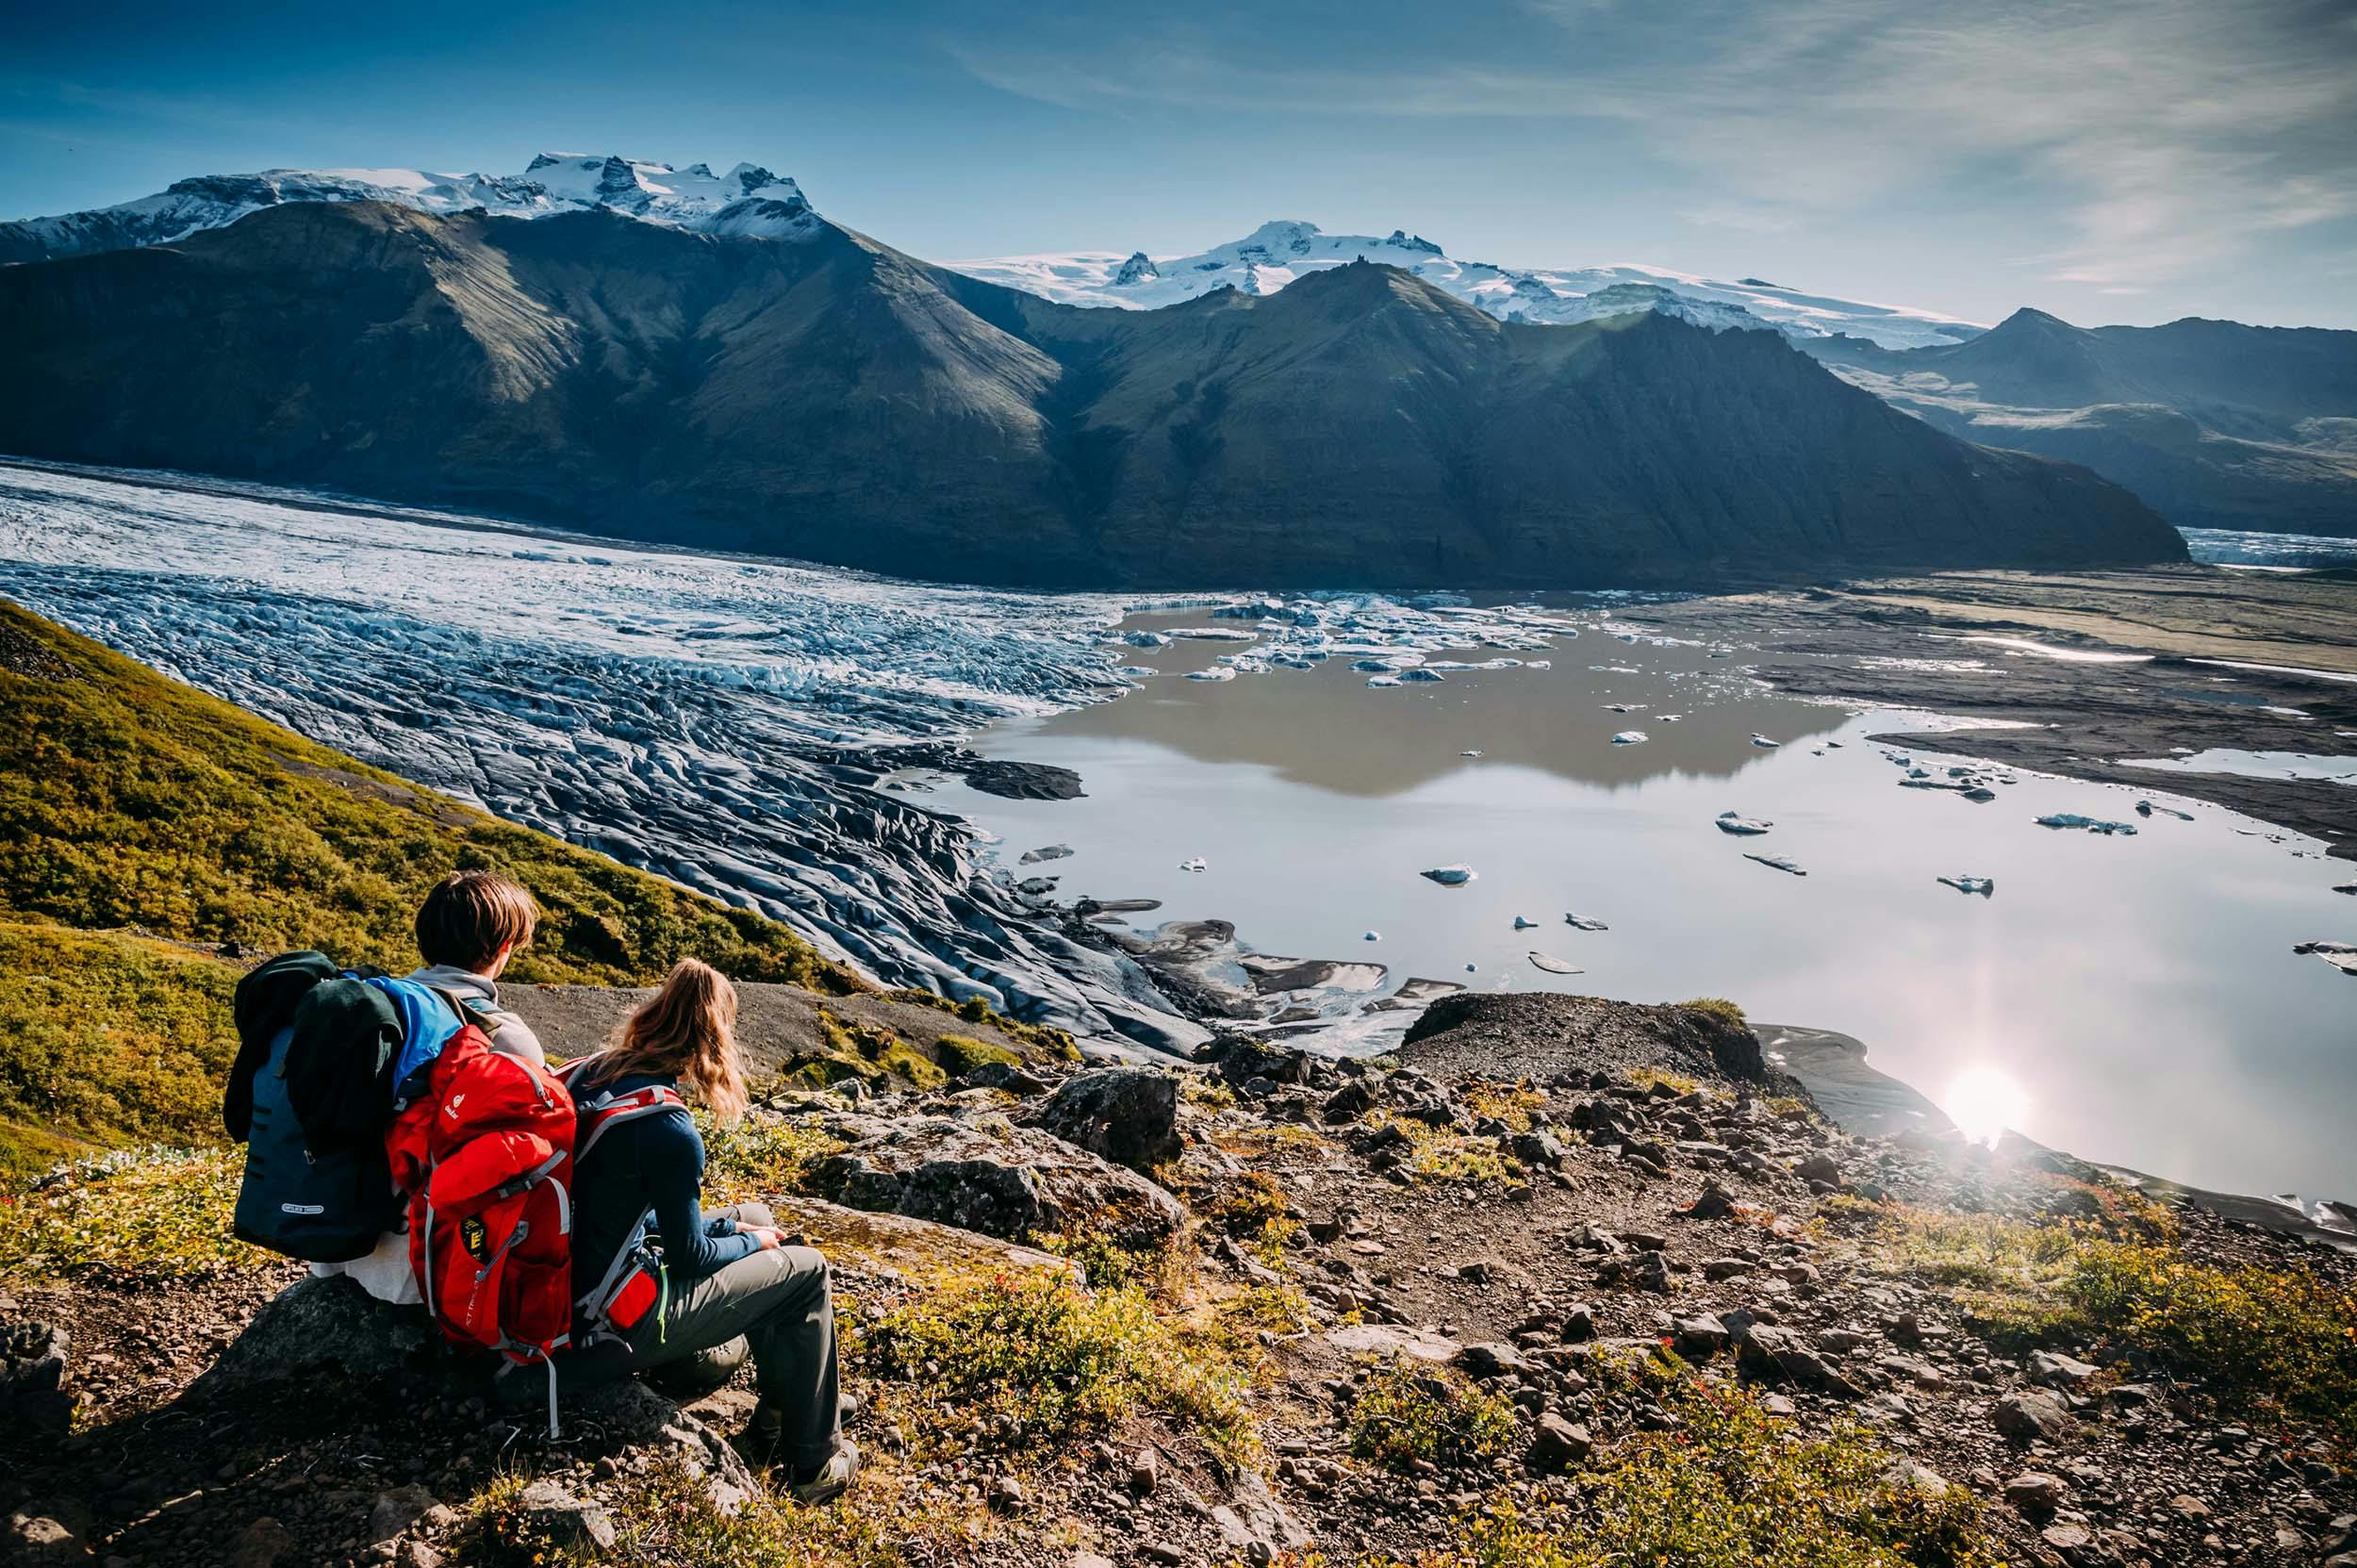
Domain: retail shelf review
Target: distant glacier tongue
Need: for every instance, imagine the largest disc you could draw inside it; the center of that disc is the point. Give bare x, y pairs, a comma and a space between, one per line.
662, 706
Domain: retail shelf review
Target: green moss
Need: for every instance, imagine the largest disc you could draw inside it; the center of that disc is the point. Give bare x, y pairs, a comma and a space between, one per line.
1718, 1007
1409, 1413
106, 1038
1055, 1044
960, 1055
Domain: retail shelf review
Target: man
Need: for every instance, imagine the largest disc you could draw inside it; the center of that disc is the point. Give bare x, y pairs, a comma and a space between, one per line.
467, 928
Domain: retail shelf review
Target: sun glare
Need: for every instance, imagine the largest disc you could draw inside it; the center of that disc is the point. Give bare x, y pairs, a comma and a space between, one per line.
1984, 1101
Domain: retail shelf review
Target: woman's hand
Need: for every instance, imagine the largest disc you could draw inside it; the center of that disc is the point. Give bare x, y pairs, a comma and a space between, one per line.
765, 1238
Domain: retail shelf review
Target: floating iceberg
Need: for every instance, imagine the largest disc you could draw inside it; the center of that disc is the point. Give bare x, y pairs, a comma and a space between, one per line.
2073, 819
1469, 753
1552, 965
1051, 851
1422, 674
2341, 955
1984, 886
1193, 865
1451, 876
1522, 924
1372, 936
1630, 737
1764, 742
1581, 922
2146, 808
1222, 673
1749, 826
1777, 862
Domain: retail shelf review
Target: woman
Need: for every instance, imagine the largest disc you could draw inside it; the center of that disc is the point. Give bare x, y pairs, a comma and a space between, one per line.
710, 1276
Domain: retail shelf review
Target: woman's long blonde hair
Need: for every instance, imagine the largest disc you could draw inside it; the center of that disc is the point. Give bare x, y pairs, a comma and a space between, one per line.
687, 1031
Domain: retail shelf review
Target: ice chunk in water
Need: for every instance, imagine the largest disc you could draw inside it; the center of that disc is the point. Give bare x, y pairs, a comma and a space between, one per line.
1195, 864
1581, 922
1777, 862
1764, 742
2341, 955
2073, 819
1983, 885
1522, 924
1630, 737
1452, 876
1552, 965
1743, 826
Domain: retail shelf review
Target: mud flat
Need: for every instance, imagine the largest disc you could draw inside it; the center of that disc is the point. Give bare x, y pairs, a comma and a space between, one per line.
2100, 669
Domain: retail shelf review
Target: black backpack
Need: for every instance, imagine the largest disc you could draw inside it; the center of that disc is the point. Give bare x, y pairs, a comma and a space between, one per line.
309, 1096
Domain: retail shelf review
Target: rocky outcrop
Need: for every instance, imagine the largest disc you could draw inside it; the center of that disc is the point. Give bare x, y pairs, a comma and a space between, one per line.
991, 1176
1126, 1114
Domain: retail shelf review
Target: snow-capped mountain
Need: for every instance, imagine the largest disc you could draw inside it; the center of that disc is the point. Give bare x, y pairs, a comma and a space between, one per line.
748, 199
1275, 254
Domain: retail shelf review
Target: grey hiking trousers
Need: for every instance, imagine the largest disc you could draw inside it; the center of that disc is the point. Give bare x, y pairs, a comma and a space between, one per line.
782, 1302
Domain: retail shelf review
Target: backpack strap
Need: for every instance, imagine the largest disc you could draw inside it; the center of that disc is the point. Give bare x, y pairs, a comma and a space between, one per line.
601, 1112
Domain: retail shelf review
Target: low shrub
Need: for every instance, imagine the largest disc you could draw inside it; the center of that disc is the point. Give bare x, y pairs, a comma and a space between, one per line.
2264, 1338
761, 1156
136, 1215
1732, 1486
1408, 1412
1039, 1354
1718, 1007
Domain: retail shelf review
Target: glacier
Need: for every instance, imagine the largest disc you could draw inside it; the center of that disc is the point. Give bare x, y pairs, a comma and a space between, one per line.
740, 725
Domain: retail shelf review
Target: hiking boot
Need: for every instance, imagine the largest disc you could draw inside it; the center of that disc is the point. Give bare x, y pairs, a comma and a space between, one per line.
757, 1444
829, 1480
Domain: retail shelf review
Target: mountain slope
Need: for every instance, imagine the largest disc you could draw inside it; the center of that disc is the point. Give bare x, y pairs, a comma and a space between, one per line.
2214, 424
143, 824
836, 400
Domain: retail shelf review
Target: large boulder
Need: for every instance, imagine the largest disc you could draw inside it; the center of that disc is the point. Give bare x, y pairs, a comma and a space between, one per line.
1127, 1115
315, 1325
32, 1373
991, 1176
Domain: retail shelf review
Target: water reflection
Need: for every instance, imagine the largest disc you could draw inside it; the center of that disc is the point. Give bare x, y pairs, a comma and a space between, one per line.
1326, 728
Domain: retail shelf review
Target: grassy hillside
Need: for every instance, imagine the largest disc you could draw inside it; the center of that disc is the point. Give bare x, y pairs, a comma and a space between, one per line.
143, 824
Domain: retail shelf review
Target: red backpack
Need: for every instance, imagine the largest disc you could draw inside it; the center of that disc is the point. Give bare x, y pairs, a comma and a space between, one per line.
483, 1156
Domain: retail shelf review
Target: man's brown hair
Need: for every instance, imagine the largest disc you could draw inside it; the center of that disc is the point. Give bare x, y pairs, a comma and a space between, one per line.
470, 915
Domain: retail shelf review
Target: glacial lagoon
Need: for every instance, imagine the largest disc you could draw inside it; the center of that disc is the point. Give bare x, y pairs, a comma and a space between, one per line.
2140, 989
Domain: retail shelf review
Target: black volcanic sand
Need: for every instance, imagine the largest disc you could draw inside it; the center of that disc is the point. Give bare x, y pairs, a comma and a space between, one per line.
1881, 642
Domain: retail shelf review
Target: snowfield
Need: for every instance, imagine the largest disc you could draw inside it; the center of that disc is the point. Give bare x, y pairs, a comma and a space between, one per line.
748, 199
1275, 254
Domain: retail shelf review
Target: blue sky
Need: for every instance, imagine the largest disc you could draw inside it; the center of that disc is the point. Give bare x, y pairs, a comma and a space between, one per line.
2130, 161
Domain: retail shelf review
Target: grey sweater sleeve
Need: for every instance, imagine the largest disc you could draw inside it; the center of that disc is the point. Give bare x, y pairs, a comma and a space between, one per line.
671, 1161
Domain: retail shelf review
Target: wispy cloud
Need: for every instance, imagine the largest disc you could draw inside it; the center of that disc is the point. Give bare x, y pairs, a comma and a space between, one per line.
2164, 136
